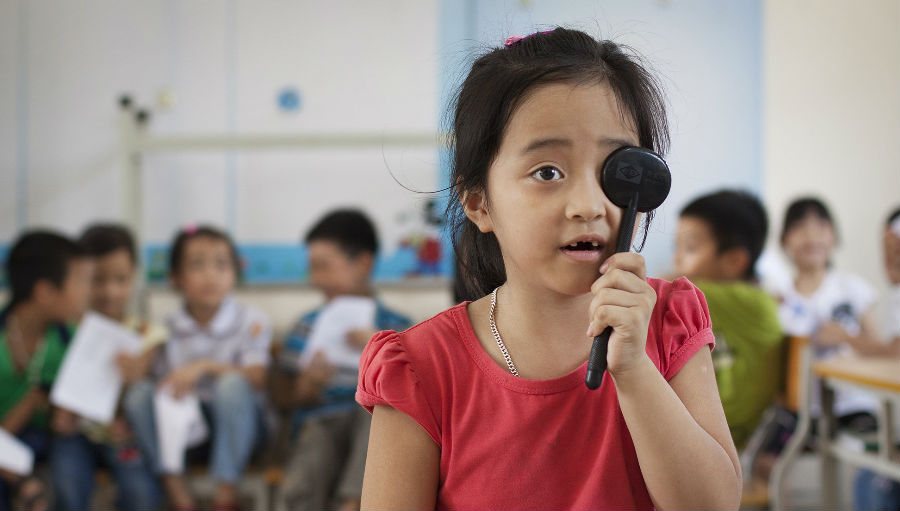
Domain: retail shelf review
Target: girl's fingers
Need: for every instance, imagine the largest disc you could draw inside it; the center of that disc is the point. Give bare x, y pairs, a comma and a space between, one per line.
627, 261
613, 296
609, 315
620, 279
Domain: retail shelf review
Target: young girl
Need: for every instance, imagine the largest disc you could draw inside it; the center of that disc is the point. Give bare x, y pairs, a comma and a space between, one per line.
219, 349
834, 309
484, 406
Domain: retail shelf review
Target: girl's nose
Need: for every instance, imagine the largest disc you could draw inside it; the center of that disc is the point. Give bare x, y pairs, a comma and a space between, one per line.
586, 200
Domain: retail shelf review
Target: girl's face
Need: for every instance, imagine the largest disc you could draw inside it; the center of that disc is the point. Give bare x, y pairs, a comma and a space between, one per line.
544, 202
207, 273
113, 284
809, 242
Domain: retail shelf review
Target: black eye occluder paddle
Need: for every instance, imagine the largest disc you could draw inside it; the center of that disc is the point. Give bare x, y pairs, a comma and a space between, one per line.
638, 180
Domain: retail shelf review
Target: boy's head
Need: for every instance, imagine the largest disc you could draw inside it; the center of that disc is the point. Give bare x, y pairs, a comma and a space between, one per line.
342, 248
115, 263
52, 273
892, 246
720, 236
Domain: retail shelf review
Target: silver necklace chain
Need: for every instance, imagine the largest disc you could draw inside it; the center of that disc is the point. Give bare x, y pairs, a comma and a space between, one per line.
503, 350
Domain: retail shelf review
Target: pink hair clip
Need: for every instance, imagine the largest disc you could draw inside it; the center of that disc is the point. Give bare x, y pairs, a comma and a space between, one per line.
190, 229
513, 39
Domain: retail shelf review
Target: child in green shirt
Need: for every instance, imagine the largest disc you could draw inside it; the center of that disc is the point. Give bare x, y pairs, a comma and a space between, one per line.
49, 278
720, 237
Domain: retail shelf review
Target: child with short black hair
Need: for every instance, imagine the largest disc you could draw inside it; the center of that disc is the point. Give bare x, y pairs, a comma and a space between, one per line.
49, 278
327, 462
114, 253
720, 237
218, 349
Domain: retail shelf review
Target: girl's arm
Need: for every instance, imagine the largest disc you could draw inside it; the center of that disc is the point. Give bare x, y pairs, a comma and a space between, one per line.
682, 440
867, 343
255, 374
185, 378
402, 464
683, 444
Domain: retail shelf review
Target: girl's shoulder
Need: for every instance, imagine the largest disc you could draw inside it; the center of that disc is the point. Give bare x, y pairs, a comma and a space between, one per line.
428, 342
411, 370
680, 297
841, 287
679, 325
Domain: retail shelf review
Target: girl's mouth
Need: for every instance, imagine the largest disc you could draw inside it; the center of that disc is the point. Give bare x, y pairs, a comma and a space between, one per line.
584, 251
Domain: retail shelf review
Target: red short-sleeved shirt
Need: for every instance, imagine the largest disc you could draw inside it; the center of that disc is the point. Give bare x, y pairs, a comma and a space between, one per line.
513, 443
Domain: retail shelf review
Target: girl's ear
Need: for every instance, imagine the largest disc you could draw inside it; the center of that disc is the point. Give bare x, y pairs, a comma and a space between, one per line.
475, 206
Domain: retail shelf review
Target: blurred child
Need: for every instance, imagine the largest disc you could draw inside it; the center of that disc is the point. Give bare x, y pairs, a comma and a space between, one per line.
49, 278
219, 349
327, 462
834, 309
720, 237
115, 269
874, 492
891, 248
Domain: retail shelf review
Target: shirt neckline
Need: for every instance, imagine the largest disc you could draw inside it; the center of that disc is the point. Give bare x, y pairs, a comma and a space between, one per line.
501, 376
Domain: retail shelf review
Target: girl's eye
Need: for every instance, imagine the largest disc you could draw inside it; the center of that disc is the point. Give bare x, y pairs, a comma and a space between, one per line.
547, 174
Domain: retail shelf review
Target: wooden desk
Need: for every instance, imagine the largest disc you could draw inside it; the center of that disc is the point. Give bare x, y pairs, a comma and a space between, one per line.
879, 377
870, 373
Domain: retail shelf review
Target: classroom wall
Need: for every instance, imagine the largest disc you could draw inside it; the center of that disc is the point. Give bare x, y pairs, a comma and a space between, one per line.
755, 88
211, 67
832, 118
219, 66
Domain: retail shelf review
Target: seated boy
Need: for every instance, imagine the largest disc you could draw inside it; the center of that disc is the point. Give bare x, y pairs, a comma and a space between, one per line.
327, 461
115, 267
720, 236
49, 278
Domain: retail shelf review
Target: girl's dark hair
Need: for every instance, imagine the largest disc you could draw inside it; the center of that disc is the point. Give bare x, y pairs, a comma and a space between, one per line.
800, 209
102, 239
176, 256
497, 84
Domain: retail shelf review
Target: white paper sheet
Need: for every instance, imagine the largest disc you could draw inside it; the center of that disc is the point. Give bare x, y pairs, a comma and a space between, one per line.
15, 456
89, 382
179, 425
330, 329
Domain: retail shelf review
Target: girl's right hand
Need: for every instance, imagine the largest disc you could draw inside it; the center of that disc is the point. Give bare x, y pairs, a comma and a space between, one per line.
623, 300
184, 379
831, 334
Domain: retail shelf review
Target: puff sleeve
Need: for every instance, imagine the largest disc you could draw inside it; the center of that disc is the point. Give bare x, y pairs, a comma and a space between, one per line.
387, 377
682, 325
